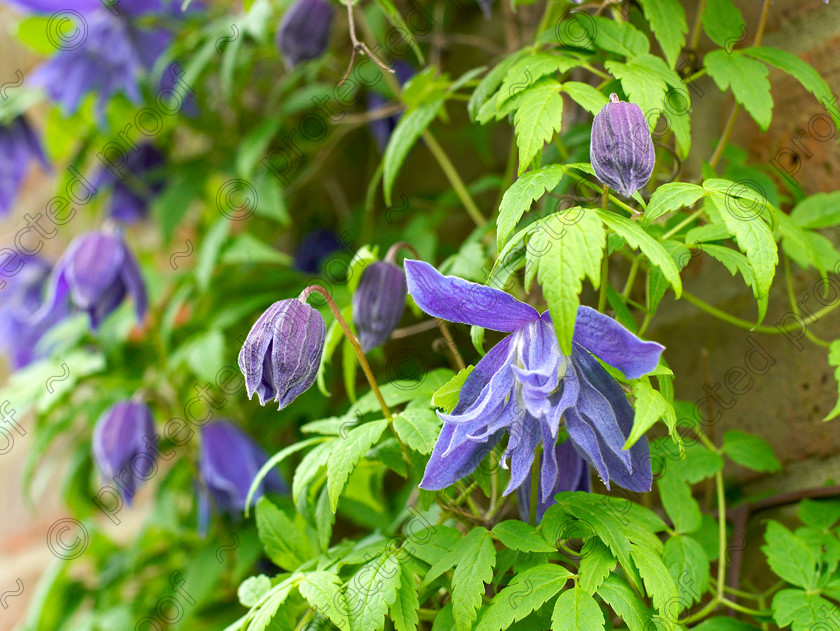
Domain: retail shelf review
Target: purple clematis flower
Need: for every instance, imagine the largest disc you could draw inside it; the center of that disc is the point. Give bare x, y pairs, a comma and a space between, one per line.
132, 194
18, 147
572, 475
314, 248
229, 461
125, 445
105, 51
19, 301
96, 272
378, 303
526, 386
304, 31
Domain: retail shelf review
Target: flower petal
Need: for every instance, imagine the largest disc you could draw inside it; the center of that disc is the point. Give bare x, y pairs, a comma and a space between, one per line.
133, 280
443, 471
524, 438
610, 341
458, 300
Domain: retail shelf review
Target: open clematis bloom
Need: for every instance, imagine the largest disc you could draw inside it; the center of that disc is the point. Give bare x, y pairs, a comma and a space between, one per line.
526, 386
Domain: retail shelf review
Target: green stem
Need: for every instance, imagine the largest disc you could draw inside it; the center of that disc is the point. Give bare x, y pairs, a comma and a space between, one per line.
682, 224
454, 179
721, 501
794, 306
724, 139
753, 612
631, 277
535, 489
695, 31
595, 71
605, 261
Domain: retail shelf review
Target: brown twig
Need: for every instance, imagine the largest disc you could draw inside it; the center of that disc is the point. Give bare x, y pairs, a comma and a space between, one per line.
359, 47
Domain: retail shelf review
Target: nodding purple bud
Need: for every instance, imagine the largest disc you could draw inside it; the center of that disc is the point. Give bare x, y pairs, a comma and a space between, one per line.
282, 353
621, 151
125, 445
378, 303
304, 31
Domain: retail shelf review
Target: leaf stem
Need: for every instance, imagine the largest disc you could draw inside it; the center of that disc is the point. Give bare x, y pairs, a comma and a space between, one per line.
454, 179
682, 224
535, 489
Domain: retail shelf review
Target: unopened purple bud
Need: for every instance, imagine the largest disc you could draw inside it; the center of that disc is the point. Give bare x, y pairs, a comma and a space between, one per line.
378, 303
125, 445
621, 151
304, 32
281, 354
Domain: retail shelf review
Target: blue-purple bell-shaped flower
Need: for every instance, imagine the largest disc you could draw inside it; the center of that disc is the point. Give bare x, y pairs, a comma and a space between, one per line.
281, 354
304, 31
378, 303
96, 272
229, 462
572, 475
621, 149
18, 147
138, 182
125, 446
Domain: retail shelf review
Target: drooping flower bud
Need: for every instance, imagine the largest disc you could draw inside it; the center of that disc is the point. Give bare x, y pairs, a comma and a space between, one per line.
281, 354
125, 445
96, 271
229, 461
304, 32
378, 303
621, 150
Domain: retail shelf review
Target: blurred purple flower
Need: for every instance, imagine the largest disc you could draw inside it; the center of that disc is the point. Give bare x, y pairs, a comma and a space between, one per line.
18, 147
19, 301
304, 31
526, 386
132, 195
314, 248
229, 462
125, 445
378, 303
282, 353
96, 272
621, 149
382, 128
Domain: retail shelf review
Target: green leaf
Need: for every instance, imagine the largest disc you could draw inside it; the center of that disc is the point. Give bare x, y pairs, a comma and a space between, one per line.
517, 535
800, 70
645, 80
284, 543
371, 591
309, 467
323, 591
736, 262
803, 611
418, 428
567, 246
748, 80
689, 566
538, 116
589, 98
820, 514
523, 192
650, 406
530, 69
447, 397
596, 563
624, 601
789, 557
750, 451
657, 579
411, 125
621, 38
671, 196
476, 558
347, 454
667, 21
679, 503
208, 253
722, 22
324, 518
527, 591
490, 83
818, 211
576, 610
834, 360
404, 611
246, 248
252, 589
253, 146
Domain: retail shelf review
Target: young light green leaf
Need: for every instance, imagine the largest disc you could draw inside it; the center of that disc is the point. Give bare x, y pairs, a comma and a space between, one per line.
418, 428
323, 591
347, 454
476, 558
789, 556
621, 38
667, 21
252, 589
748, 80
530, 69
834, 360
736, 263
538, 116
490, 83
517, 535
527, 591
408, 130
568, 246
589, 98
650, 406
596, 563
821, 210
324, 518
309, 467
723, 23
643, 86
404, 611
284, 543
658, 582
671, 196
750, 451
801, 610
371, 591
576, 610
819, 514
446, 397
689, 567
523, 192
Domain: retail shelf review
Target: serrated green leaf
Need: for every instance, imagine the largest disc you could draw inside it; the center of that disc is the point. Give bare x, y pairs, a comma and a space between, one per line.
624, 601
679, 503
789, 557
538, 115
650, 406
446, 397
284, 543
324, 518
667, 21
821, 210
323, 591
589, 98
528, 70
490, 83
418, 428
657, 580
596, 563
523, 192
803, 611
309, 467
371, 591
750, 451
819, 514
404, 611
566, 247
576, 610
347, 454
621, 38
411, 125
517, 535
834, 360
723, 22
476, 558
645, 80
671, 196
748, 80
252, 589
736, 263
689, 567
